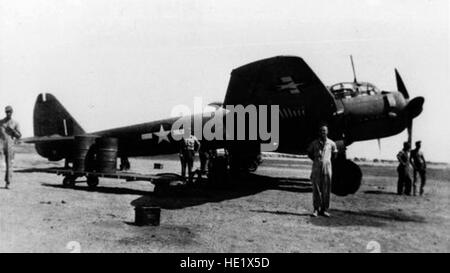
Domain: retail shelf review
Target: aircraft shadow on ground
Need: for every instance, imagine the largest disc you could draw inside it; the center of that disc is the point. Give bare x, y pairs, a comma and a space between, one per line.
371, 218
100, 189
279, 212
204, 192
178, 197
380, 192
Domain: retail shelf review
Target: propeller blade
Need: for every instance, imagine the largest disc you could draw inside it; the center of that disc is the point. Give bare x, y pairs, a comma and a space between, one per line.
409, 128
400, 85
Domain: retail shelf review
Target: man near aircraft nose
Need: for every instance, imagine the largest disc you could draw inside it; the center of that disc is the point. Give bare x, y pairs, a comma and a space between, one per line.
321, 151
9, 132
419, 165
403, 170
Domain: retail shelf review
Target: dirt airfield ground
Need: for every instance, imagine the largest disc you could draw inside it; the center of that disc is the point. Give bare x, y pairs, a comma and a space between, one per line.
265, 212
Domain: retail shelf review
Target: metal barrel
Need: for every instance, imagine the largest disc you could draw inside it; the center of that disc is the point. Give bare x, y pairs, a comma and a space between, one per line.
107, 149
82, 145
145, 216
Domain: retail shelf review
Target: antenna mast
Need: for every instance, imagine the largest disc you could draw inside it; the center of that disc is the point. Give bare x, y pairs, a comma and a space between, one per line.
353, 67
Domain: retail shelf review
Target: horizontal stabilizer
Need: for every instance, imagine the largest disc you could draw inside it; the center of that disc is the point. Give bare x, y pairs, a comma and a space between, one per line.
45, 139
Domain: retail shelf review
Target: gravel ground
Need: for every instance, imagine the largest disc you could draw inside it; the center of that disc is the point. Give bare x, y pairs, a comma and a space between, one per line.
265, 212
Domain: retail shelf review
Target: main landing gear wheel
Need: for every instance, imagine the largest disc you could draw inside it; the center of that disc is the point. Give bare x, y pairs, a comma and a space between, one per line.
69, 181
92, 182
346, 178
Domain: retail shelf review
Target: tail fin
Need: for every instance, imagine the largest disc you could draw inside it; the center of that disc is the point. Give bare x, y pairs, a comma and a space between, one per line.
51, 118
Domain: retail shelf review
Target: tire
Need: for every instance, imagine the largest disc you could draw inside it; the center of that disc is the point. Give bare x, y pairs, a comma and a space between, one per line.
69, 181
92, 182
347, 177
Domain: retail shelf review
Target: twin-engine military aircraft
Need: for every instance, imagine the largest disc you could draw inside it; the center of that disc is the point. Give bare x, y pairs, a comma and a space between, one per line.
354, 111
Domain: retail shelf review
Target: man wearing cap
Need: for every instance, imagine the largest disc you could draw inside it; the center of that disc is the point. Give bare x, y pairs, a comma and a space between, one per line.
403, 170
419, 166
9, 132
321, 151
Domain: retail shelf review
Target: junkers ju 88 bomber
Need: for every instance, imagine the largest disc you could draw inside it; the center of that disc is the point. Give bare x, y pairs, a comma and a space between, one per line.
354, 111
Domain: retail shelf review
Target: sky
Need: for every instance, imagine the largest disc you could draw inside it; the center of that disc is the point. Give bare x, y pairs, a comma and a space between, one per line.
115, 62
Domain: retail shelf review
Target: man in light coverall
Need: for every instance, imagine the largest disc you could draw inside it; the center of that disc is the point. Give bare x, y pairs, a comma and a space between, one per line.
321, 151
9, 132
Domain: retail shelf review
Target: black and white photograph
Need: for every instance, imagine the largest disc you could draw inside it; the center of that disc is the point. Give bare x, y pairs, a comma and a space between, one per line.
219, 127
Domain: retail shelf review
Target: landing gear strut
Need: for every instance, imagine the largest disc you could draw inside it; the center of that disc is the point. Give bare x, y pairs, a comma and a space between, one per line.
218, 169
124, 164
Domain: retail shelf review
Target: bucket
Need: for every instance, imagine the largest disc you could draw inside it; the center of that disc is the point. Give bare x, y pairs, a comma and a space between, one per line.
145, 216
107, 154
82, 145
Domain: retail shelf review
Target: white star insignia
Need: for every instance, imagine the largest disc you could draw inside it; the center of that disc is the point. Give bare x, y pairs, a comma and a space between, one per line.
162, 135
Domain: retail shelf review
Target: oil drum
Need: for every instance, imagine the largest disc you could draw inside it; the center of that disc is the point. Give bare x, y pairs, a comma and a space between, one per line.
82, 146
106, 158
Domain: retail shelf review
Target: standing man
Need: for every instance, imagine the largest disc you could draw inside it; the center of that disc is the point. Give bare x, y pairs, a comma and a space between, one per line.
189, 146
203, 154
403, 170
9, 132
321, 151
419, 166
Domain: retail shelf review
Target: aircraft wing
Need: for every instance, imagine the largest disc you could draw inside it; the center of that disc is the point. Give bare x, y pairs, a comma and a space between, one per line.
284, 80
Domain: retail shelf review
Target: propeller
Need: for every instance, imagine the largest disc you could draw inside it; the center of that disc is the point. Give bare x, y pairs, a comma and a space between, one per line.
413, 108
400, 85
